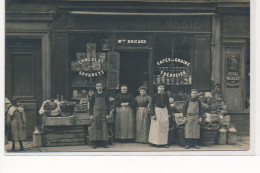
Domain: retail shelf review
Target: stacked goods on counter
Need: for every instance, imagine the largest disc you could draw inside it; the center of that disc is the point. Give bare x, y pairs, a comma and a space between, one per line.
50, 108
214, 107
67, 108
81, 114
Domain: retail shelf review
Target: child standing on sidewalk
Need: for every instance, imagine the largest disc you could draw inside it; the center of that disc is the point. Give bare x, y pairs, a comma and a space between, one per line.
17, 121
192, 110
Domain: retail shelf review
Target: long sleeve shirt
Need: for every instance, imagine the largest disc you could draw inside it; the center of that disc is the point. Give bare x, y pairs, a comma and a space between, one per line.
124, 98
159, 100
92, 102
186, 104
143, 101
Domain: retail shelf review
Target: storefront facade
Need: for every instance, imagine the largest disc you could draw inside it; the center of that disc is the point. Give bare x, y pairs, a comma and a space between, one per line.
184, 45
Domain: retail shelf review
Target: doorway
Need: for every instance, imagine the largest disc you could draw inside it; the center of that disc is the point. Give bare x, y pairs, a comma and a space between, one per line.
23, 76
133, 70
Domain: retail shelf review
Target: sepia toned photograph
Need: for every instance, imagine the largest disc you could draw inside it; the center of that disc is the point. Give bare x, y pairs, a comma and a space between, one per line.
127, 76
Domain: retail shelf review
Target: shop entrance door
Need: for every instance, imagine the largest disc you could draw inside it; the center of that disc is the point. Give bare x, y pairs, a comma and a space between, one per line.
133, 69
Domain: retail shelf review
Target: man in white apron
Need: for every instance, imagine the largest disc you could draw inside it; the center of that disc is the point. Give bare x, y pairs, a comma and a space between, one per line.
192, 110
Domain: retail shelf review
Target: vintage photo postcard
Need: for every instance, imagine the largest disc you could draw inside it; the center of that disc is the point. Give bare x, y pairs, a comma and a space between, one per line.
127, 76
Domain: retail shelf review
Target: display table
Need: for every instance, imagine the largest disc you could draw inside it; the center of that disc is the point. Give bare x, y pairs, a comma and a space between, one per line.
72, 130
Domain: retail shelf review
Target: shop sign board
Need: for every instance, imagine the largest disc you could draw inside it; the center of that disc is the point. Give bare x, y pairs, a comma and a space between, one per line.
173, 60
183, 23
133, 40
88, 67
233, 70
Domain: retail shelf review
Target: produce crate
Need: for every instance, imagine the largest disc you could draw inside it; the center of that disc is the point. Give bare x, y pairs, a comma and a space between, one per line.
58, 121
63, 136
82, 119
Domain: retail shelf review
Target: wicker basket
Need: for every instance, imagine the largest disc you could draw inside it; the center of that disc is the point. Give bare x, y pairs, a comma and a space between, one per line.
207, 137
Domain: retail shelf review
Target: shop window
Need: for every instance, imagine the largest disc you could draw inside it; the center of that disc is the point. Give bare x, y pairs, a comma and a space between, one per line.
173, 65
247, 87
88, 62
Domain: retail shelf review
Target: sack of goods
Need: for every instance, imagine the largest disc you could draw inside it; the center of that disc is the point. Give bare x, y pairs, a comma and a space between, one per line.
179, 119
81, 108
50, 108
67, 106
232, 135
209, 118
226, 121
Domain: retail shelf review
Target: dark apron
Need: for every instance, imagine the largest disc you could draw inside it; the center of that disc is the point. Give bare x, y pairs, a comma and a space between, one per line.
192, 127
98, 130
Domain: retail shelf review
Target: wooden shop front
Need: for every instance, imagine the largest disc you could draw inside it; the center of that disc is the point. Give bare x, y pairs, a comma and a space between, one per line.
184, 45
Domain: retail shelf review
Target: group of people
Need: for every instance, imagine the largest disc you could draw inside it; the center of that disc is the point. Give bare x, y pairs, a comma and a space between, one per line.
143, 118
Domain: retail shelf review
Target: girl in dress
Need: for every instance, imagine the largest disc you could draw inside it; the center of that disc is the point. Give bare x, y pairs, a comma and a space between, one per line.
124, 124
159, 128
142, 115
17, 121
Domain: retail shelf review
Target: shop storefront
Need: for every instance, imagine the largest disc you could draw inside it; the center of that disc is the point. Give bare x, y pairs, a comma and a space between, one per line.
183, 49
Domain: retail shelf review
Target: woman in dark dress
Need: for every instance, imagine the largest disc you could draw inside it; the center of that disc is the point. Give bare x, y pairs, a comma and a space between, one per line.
159, 128
124, 124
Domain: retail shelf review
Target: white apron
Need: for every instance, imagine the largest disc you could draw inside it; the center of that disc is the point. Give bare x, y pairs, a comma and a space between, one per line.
160, 127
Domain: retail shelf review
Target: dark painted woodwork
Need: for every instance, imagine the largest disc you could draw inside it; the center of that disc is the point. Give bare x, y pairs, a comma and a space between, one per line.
202, 62
60, 65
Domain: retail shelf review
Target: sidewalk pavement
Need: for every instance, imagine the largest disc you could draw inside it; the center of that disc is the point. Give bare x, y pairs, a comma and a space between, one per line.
242, 145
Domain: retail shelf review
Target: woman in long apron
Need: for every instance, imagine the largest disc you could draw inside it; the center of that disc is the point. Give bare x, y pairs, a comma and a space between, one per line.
142, 115
159, 128
99, 112
124, 123
192, 110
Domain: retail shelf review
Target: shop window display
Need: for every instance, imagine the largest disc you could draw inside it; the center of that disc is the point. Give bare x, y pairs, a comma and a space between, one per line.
88, 62
173, 64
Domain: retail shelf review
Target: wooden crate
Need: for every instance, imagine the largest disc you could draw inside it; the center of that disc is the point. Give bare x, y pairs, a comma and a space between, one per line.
82, 119
64, 136
58, 121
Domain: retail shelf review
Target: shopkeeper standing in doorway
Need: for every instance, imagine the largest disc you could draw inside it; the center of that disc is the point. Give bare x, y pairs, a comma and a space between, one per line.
124, 124
192, 110
99, 109
159, 128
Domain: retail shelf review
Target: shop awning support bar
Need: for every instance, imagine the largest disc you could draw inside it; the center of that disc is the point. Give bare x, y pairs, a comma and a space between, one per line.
139, 14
